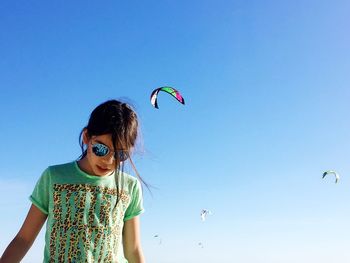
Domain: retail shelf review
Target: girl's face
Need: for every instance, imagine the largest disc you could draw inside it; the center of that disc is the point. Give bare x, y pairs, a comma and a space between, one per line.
96, 147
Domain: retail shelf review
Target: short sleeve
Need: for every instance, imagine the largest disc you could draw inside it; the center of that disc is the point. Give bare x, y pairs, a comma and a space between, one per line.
135, 207
40, 195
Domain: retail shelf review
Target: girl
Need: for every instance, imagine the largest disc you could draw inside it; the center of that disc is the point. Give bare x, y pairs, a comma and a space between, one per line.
91, 206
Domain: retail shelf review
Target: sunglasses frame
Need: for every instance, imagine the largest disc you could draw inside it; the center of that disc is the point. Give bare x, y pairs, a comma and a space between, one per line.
123, 154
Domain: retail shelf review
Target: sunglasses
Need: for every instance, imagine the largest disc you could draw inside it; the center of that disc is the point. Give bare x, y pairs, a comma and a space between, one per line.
100, 150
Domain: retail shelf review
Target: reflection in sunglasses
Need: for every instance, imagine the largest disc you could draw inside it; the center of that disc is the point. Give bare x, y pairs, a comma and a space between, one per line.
101, 150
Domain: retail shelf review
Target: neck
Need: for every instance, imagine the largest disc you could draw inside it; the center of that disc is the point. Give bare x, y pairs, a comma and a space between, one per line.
85, 166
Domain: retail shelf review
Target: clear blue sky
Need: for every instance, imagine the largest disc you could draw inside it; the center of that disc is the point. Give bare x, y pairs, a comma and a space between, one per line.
266, 85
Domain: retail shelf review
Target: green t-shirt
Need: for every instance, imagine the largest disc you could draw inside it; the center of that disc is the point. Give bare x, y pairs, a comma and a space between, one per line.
84, 223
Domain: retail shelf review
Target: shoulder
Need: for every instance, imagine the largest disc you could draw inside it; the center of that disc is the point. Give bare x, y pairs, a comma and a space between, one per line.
59, 168
129, 180
53, 171
130, 184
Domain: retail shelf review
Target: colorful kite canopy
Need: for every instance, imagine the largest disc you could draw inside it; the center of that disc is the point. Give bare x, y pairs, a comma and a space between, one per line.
169, 90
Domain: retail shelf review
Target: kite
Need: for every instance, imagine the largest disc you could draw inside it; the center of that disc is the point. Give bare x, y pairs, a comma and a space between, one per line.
200, 244
204, 214
169, 90
331, 172
160, 240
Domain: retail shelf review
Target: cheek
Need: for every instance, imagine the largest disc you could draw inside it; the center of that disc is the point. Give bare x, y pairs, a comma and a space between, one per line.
93, 160
91, 156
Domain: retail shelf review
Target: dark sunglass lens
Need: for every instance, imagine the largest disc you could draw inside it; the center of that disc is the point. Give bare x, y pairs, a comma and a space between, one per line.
100, 149
123, 155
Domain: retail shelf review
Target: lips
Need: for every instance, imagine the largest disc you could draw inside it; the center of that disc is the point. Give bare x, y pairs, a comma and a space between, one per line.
103, 169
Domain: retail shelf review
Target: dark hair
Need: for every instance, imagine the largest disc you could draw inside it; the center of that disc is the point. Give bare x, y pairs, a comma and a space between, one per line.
120, 120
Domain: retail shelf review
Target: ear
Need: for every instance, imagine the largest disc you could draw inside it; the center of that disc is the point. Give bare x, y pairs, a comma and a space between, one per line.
86, 136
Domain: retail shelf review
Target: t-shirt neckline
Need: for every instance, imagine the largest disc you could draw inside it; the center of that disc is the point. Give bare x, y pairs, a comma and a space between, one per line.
90, 176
